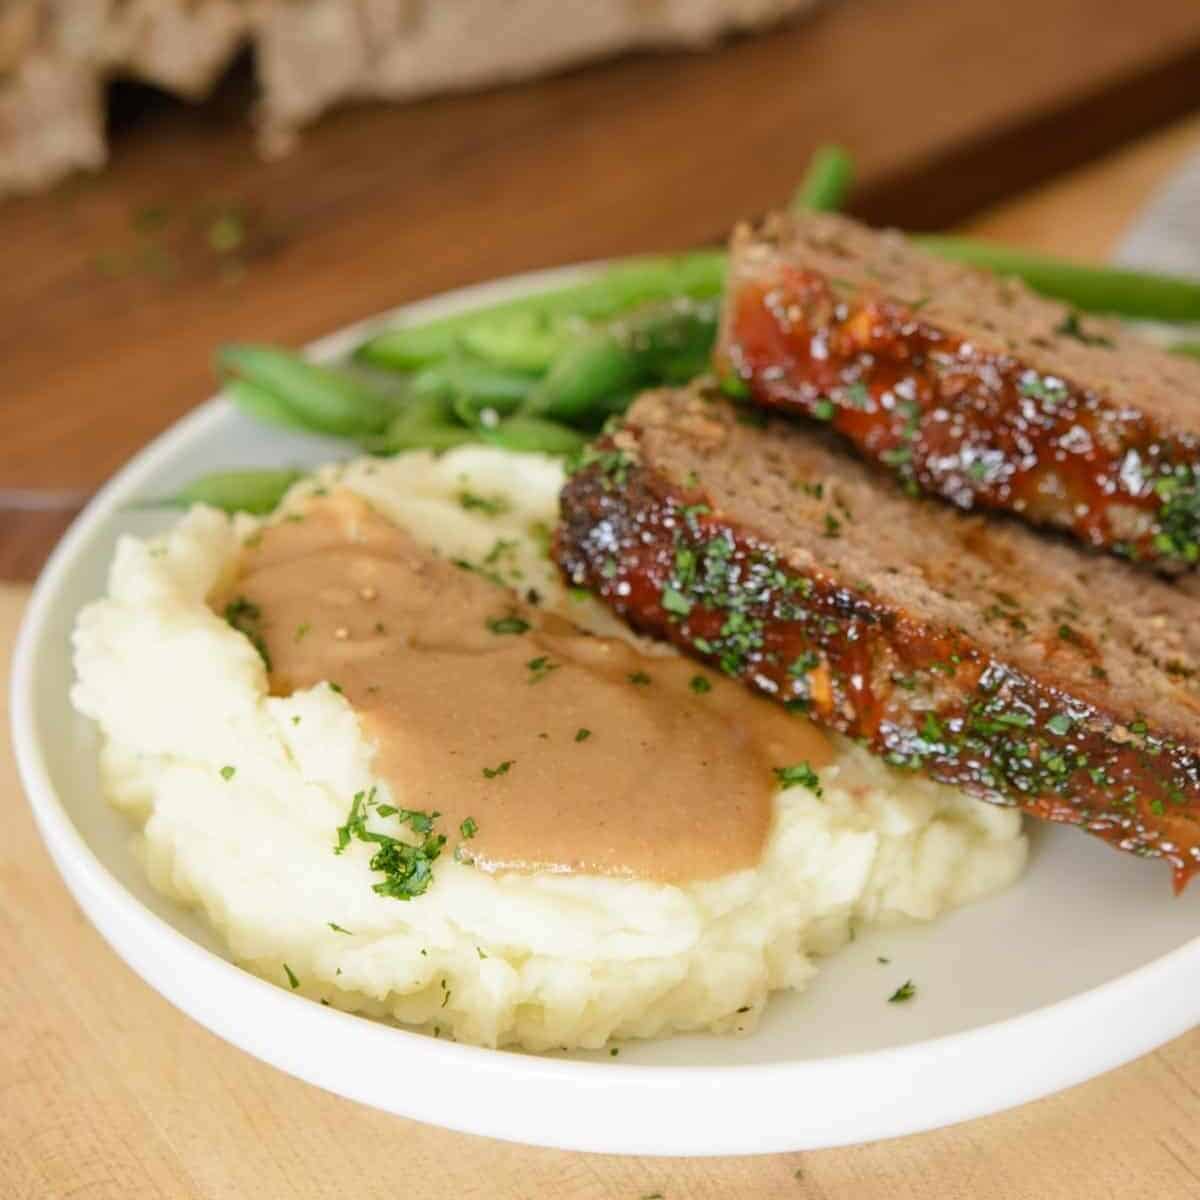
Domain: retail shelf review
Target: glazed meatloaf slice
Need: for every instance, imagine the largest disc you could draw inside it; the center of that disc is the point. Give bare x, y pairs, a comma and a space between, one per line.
1025, 671
969, 386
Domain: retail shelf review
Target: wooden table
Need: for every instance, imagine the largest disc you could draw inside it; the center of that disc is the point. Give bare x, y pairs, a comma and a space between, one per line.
106, 1091
112, 295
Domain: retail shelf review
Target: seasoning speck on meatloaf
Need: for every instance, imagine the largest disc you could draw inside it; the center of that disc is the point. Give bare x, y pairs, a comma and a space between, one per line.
1025, 671
969, 386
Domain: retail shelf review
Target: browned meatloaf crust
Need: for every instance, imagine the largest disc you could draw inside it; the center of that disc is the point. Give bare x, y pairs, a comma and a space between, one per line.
969, 386
1027, 672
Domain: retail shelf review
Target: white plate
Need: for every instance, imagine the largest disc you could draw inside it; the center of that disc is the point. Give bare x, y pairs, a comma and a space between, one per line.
1086, 963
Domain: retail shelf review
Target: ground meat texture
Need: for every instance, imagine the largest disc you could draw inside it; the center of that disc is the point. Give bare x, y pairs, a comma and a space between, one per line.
1027, 672
969, 387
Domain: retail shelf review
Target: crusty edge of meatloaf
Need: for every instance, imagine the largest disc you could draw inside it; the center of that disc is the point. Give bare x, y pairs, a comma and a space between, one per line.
968, 386
662, 554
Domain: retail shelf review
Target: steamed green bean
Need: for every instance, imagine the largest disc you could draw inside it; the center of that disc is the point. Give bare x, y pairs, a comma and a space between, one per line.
323, 398
253, 491
262, 405
646, 347
534, 434
1112, 290
626, 285
827, 181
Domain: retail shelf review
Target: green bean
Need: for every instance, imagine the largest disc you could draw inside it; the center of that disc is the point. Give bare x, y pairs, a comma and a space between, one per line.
256, 492
486, 383
427, 422
654, 344
261, 405
698, 274
324, 399
534, 434
411, 435
464, 390
1094, 289
520, 341
593, 367
825, 184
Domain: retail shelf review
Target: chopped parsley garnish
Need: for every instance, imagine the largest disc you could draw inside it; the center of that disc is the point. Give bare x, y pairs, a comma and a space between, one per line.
906, 991
582, 735
335, 687
407, 868
501, 769
806, 662
613, 465
931, 729
227, 773
244, 616
1178, 533
824, 410
510, 624
833, 527
800, 774
858, 395
639, 678
675, 602
699, 684
1060, 724
491, 506
1070, 327
293, 982
540, 667
301, 630
469, 828
1042, 387
337, 928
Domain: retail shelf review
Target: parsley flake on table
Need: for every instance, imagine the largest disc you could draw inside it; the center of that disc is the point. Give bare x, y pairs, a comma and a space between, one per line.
501, 769
293, 982
906, 991
227, 773
469, 828
582, 735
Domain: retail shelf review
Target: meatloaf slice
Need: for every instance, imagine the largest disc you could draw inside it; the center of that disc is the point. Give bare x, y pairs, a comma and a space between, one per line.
969, 386
1026, 671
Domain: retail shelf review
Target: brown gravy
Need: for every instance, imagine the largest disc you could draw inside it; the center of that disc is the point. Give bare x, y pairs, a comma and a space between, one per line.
571, 753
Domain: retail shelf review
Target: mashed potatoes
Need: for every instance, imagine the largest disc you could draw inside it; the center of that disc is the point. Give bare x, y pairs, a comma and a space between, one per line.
239, 795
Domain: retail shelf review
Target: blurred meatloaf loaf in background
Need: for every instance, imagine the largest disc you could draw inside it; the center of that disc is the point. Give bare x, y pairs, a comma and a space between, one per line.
969, 386
57, 55
1022, 669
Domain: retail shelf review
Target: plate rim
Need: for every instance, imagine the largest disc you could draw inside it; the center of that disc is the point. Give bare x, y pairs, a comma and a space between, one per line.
133, 931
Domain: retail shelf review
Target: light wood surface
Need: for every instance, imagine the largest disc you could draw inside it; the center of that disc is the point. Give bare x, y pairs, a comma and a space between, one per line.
107, 1092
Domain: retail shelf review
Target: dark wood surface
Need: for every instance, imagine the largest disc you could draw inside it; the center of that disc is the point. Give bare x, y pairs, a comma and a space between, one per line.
113, 296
